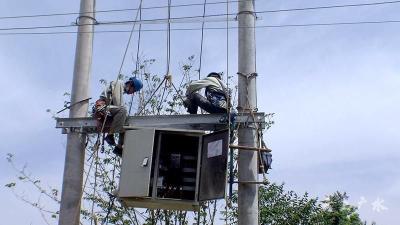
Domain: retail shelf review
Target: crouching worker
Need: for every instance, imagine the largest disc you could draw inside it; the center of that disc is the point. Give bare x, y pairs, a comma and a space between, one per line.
216, 99
111, 107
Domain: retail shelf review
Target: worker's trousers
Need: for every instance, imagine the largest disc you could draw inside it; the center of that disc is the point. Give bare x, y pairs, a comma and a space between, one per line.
197, 100
118, 114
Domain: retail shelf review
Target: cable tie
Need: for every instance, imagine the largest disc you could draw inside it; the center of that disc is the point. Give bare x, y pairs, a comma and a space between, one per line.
88, 17
253, 75
246, 12
249, 75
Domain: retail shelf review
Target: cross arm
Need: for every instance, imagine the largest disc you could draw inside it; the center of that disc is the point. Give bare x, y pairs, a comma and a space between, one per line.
192, 122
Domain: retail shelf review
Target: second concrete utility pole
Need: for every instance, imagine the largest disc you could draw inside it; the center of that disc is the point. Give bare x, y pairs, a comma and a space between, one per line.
248, 171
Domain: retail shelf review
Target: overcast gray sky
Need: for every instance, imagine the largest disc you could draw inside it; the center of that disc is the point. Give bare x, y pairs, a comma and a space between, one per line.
333, 89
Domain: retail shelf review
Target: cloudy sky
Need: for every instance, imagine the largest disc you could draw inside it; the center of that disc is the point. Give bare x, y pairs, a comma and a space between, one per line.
333, 89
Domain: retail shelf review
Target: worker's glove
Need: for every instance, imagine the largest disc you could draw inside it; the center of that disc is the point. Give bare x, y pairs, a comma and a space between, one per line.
99, 110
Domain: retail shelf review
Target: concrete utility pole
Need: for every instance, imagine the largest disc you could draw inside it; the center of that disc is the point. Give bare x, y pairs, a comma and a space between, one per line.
75, 153
248, 171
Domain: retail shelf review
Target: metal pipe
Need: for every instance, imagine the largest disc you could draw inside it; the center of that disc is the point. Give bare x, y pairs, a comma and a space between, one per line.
250, 182
245, 148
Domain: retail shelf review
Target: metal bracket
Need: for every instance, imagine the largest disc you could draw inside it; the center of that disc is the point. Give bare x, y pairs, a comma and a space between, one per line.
66, 130
211, 122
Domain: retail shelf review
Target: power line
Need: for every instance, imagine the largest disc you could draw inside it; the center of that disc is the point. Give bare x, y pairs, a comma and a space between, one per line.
209, 3
39, 27
129, 40
163, 19
257, 12
115, 10
200, 16
113, 22
214, 28
329, 7
123, 22
329, 24
202, 39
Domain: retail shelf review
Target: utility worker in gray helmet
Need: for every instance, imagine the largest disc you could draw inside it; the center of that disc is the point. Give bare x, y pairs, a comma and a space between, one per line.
216, 93
111, 107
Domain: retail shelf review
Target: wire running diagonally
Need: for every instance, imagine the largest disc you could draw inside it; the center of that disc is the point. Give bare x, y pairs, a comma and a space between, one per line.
114, 10
151, 96
169, 38
370, 22
228, 109
129, 40
167, 76
255, 47
123, 59
137, 64
209, 3
202, 38
105, 119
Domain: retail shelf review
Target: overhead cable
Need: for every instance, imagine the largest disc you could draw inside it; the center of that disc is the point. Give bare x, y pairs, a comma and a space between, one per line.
129, 40
200, 16
215, 28
110, 22
329, 7
202, 38
39, 27
209, 3
115, 10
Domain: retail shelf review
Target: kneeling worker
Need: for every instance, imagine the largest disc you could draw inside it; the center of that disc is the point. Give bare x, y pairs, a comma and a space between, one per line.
216, 99
111, 106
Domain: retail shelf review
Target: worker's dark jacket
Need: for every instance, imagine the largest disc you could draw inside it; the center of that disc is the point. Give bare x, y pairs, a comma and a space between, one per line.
216, 92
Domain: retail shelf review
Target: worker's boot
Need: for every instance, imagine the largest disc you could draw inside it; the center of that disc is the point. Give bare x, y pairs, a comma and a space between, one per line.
110, 139
190, 105
186, 102
118, 151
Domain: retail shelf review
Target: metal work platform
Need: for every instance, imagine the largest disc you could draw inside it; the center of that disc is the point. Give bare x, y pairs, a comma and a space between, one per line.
178, 163
190, 122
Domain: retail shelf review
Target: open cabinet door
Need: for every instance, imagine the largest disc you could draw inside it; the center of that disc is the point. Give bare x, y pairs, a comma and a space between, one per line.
136, 163
214, 165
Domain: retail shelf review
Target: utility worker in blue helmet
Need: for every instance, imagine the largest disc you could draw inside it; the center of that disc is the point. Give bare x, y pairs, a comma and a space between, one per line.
216, 93
111, 106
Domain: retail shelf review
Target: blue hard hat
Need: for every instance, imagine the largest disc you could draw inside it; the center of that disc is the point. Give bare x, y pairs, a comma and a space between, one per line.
136, 83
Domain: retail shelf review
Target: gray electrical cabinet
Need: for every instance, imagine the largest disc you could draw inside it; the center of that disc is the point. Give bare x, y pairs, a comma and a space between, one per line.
172, 169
